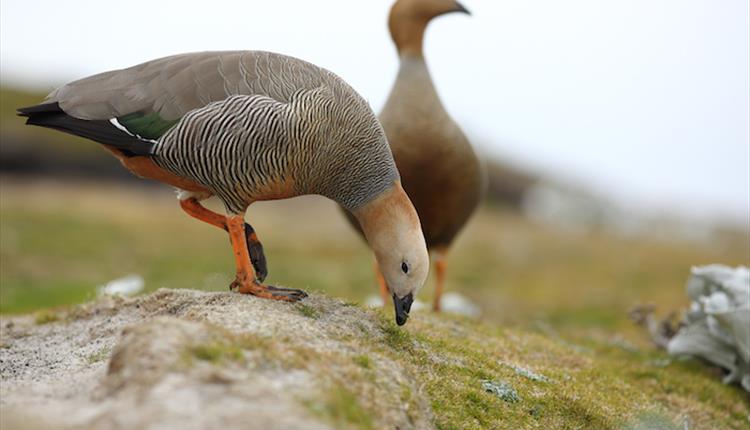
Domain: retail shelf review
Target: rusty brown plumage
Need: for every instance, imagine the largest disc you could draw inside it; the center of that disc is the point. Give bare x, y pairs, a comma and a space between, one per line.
439, 169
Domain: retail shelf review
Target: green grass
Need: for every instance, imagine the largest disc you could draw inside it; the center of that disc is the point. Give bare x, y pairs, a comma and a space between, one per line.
363, 361
554, 302
98, 356
602, 387
605, 387
57, 248
46, 316
342, 408
60, 242
216, 352
394, 337
307, 311
223, 346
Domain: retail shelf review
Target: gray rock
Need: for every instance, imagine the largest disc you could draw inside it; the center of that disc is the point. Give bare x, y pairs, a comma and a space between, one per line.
717, 326
185, 359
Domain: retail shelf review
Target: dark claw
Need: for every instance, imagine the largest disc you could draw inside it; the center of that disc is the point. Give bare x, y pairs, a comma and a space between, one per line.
287, 292
257, 257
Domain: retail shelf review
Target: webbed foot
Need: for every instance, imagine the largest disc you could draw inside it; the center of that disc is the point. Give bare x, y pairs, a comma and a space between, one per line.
267, 291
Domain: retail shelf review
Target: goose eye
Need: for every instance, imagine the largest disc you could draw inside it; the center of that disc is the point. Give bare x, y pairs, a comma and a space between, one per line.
404, 267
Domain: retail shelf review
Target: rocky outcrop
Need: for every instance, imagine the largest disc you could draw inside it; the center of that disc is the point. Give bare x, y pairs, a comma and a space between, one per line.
194, 360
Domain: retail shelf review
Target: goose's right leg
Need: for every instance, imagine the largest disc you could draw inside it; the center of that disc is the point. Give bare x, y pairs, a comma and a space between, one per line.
191, 205
246, 282
440, 266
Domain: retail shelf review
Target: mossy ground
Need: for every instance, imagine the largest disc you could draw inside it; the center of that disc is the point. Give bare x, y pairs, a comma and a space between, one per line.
555, 303
443, 361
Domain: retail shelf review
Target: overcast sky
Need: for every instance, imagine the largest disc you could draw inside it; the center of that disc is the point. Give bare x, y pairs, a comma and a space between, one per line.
647, 101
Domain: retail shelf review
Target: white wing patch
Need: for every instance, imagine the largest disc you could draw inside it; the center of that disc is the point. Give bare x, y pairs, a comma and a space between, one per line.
117, 124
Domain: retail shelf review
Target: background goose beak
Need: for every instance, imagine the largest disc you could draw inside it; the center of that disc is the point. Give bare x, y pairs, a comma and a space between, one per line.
403, 306
461, 8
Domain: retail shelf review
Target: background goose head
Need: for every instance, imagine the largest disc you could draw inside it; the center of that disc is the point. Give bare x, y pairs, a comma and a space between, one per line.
409, 18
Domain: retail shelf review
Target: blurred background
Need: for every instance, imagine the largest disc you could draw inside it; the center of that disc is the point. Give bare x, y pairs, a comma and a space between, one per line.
616, 137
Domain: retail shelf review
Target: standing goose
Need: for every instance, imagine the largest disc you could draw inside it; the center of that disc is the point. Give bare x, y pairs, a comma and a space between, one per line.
247, 126
439, 169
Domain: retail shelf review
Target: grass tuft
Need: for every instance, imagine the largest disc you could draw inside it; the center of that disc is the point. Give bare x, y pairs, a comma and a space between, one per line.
363, 361
45, 317
394, 336
98, 356
308, 311
342, 408
217, 352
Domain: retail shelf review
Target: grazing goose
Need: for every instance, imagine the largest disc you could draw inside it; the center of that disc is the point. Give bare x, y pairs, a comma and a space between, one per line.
439, 169
247, 126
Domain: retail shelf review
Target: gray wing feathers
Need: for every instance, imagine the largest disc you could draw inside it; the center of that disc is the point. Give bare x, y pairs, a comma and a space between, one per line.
173, 86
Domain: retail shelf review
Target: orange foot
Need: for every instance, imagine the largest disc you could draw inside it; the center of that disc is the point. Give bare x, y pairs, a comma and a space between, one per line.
267, 291
246, 281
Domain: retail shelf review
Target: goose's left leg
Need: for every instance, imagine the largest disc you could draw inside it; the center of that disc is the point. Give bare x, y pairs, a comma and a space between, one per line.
385, 295
191, 205
246, 282
440, 266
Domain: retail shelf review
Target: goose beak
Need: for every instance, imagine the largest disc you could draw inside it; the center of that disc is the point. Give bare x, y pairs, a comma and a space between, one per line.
403, 306
461, 8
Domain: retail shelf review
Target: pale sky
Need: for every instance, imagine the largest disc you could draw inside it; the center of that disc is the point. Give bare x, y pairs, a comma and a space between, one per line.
645, 101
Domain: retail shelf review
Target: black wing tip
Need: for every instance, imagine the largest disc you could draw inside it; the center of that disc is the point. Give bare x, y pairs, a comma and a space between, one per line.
50, 115
43, 108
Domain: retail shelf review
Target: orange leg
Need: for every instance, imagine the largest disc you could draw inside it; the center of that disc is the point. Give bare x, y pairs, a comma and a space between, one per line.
440, 266
255, 249
245, 281
197, 210
384, 293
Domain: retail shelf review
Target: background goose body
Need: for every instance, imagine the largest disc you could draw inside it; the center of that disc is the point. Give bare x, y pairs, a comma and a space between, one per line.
247, 126
439, 169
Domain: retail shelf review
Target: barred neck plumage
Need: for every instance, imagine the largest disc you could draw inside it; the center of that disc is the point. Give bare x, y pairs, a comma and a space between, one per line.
351, 162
